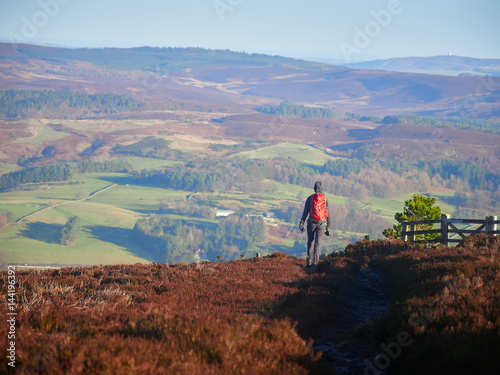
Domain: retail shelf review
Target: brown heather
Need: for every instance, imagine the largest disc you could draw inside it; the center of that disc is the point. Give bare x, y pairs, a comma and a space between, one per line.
447, 299
256, 316
156, 319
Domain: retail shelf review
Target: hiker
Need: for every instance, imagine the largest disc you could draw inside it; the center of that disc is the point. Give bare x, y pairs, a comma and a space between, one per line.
318, 224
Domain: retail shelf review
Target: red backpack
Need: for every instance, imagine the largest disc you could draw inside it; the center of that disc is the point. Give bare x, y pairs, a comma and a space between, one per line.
318, 209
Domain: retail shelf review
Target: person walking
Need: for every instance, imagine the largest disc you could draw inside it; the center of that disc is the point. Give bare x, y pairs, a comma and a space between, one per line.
318, 225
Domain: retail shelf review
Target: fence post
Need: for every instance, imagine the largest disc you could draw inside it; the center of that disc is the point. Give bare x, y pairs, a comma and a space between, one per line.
403, 231
490, 226
412, 233
444, 229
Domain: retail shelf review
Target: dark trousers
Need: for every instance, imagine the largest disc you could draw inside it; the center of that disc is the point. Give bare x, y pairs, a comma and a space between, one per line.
315, 237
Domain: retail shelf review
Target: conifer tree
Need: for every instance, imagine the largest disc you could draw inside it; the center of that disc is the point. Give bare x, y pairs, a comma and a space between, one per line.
416, 209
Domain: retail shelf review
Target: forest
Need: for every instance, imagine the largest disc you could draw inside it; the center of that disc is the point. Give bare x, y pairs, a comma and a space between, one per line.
150, 147
22, 103
173, 241
289, 109
476, 178
354, 178
59, 172
450, 122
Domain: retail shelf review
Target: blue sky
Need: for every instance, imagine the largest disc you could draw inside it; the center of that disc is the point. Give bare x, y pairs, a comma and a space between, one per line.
335, 29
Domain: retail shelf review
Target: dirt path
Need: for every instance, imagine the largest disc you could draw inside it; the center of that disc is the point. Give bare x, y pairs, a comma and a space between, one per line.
363, 301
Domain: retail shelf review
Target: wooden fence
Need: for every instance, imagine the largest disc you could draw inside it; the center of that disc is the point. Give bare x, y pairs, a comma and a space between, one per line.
411, 229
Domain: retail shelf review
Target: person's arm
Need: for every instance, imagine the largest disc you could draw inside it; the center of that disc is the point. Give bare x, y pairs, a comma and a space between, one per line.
328, 217
327, 220
305, 213
307, 206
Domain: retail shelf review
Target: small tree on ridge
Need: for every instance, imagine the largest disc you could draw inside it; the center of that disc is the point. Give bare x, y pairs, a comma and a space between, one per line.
416, 209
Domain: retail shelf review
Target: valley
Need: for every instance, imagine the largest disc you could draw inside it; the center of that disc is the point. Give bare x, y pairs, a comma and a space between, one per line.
194, 141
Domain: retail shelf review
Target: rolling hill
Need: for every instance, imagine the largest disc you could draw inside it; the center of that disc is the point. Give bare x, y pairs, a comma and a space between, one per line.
446, 65
223, 79
362, 91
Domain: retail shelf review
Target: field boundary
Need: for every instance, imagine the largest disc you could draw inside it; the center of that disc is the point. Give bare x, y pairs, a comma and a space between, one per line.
67, 202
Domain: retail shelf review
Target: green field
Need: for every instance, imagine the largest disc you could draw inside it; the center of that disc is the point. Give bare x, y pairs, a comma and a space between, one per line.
108, 217
109, 205
386, 208
297, 151
41, 132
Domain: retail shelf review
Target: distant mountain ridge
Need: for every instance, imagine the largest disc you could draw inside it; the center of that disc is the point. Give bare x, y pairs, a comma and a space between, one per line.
153, 59
217, 79
445, 65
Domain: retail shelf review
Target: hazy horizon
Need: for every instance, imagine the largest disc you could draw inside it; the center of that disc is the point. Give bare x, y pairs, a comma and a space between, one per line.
333, 30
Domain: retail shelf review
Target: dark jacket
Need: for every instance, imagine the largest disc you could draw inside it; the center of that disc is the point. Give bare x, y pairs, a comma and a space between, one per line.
318, 188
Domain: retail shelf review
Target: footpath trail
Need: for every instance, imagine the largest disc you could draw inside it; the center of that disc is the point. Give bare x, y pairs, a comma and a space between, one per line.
364, 300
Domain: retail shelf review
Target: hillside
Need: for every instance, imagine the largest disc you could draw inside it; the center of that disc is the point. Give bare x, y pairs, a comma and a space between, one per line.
152, 59
446, 65
223, 79
258, 315
361, 91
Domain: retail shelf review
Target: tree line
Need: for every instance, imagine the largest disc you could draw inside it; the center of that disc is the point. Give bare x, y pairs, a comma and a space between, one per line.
149, 147
453, 122
59, 172
290, 109
352, 178
20, 103
477, 178
247, 175
70, 231
175, 241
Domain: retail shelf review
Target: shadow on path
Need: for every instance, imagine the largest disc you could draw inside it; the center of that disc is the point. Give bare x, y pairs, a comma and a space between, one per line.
344, 343
335, 307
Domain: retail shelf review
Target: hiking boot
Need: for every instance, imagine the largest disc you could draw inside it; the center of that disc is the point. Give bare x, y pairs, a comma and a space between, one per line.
308, 267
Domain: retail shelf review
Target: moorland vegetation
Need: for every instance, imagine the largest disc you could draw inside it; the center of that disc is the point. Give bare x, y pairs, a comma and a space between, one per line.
259, 315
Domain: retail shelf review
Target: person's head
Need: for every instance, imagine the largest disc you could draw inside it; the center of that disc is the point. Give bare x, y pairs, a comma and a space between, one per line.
318, 187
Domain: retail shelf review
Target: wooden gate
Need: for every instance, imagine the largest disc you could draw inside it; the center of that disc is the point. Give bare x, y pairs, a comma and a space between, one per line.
410, 229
